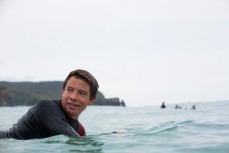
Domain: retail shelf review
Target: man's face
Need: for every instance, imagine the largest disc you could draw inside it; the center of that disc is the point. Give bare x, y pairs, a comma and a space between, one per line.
75, 97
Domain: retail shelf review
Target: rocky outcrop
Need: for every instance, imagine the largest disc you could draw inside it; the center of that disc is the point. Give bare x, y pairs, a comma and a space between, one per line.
114, 102
110, 102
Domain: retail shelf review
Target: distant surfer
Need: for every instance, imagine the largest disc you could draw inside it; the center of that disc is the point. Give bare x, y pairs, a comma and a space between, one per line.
193, 107
176, 107
55, 117
163, 105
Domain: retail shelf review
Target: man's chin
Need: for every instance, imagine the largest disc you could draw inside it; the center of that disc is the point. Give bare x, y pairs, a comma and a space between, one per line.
73, 115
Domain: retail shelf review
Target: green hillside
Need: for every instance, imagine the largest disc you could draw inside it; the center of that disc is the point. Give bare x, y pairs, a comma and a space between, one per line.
29, 93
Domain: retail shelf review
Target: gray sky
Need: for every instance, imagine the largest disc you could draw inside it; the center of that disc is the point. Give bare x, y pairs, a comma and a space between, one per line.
142, 51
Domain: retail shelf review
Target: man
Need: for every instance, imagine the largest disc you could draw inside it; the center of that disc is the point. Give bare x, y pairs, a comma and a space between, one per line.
54, 117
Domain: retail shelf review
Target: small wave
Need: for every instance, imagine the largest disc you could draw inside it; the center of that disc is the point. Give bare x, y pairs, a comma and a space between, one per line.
88, 144
169, 126
85, 141
211, 124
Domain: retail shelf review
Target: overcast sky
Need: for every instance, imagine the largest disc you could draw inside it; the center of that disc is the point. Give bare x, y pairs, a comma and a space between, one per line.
142, 51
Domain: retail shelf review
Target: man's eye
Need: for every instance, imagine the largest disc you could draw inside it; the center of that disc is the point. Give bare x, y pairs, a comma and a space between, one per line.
69, 89
83, 93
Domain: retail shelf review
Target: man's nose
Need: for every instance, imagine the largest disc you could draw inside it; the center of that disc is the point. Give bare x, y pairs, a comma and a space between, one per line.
74, 96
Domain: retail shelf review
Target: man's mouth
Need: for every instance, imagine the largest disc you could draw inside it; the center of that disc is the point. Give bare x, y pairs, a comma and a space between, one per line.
73, 105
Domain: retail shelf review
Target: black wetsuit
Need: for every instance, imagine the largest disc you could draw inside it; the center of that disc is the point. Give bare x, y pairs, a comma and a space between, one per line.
47, 118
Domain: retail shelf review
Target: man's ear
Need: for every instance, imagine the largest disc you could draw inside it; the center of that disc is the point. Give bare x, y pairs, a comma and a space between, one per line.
91, 101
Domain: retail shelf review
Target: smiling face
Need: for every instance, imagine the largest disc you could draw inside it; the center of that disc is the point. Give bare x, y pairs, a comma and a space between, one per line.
75, 97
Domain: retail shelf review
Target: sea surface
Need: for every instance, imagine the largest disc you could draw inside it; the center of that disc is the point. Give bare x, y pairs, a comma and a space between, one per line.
148, 129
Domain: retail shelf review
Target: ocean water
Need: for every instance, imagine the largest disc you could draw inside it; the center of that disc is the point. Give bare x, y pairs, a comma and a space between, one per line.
141, 130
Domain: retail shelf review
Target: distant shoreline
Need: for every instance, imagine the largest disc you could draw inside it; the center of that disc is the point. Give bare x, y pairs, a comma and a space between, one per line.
28, 93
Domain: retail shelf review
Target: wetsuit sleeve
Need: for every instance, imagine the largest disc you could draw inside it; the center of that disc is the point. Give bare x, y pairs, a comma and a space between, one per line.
53, 119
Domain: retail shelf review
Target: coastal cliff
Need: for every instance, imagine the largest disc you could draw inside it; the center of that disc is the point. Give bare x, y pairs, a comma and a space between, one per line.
29, 93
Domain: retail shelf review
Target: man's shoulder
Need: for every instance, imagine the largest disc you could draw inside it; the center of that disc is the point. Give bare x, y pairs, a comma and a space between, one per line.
45, 106
47, 103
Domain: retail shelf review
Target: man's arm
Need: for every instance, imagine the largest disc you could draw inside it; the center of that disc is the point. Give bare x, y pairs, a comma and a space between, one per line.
52, 118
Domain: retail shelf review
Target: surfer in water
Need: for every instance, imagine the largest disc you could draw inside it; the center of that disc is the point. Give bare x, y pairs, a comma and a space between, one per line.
55, 117
163, 105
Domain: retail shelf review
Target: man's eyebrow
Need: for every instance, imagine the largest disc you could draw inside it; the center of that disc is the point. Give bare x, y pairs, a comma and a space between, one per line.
82, 90
69, 86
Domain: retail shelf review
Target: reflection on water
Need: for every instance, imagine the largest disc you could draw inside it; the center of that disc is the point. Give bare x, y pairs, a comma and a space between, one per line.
89, 144
55, 144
